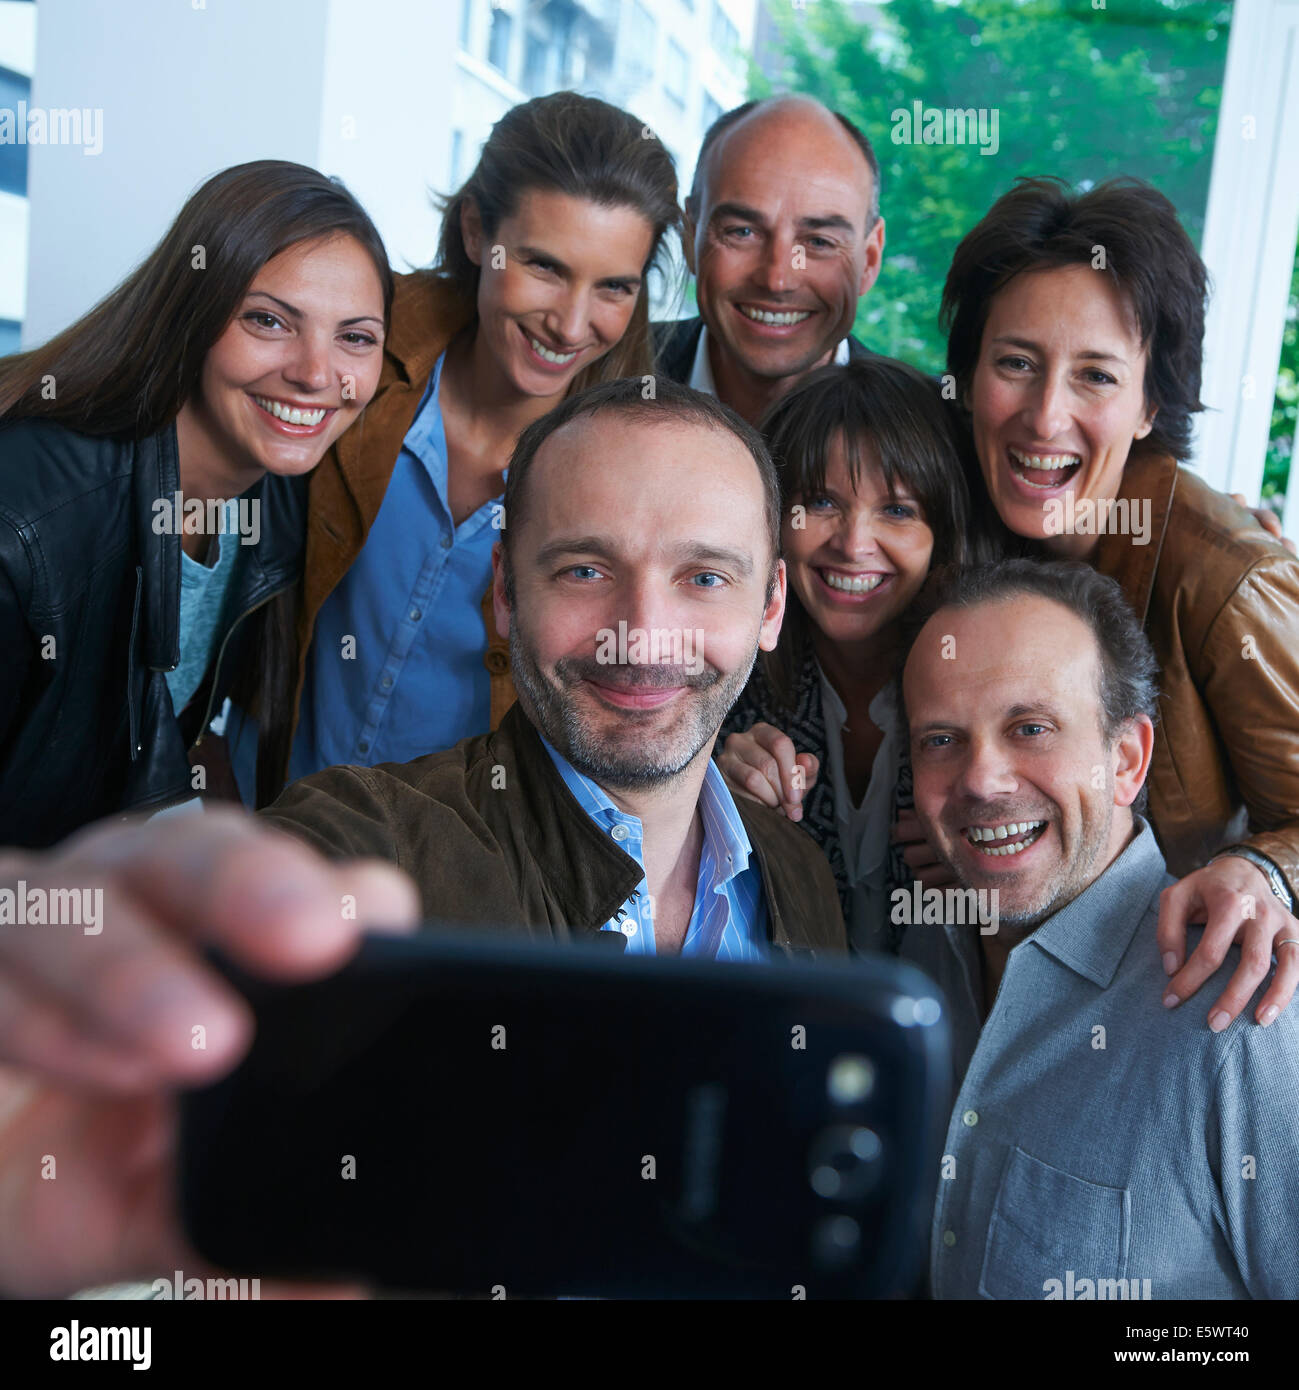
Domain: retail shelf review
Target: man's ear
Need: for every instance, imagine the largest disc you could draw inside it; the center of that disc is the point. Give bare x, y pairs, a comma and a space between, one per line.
774, 613
500, 604
471, 230
874, 257
1133, 750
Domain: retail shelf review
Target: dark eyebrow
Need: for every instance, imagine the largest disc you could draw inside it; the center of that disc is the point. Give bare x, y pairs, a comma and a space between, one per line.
832, 221
689, 552
1043, 710
297, 313
563, 269
1091, 354
1019, 711
740, 210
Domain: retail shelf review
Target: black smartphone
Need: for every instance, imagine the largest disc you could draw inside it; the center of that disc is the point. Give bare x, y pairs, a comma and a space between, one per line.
467, 1112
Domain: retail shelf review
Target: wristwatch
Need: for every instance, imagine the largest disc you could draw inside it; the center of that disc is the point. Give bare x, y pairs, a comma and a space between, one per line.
1269, 870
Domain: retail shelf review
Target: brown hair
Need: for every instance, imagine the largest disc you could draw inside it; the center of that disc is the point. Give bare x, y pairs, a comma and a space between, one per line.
127, 367
1041, 225
585, 148
900, 414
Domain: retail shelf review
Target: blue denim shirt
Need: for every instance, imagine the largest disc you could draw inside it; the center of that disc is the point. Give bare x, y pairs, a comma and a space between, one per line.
1100, 1137
729, 921
412, 604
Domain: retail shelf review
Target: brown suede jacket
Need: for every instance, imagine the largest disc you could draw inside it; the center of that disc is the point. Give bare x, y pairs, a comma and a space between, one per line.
493, 837
1220, 603
348, 485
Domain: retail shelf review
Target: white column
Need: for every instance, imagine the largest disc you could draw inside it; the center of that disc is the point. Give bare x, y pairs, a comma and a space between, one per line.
1249, 245
184, 88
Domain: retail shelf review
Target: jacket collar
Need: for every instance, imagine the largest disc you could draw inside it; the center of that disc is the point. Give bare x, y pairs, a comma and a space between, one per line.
426, 314
1151, 477
156, 474
1092, 933
589, 875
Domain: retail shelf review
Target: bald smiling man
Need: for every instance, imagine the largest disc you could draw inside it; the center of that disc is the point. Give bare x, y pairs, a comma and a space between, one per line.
784, 236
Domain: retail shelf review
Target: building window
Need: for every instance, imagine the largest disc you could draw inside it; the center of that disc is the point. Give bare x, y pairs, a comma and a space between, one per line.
457, 154
711, 111
498, 41
14, 87
536, 66
466, 19
641, 44
725, 36
676, 73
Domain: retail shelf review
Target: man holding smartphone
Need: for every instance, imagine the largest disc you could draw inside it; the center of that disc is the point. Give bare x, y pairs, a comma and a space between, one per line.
628, 515
638, 574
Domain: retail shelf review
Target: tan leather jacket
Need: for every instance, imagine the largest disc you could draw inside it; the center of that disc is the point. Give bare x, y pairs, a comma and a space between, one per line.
1220, 603
348, 486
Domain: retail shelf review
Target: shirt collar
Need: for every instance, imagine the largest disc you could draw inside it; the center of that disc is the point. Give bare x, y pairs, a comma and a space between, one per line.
1091, 934
701, 371
724, 833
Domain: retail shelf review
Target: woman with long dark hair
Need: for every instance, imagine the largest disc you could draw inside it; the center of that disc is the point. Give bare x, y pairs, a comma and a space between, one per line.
152, 462
538, 289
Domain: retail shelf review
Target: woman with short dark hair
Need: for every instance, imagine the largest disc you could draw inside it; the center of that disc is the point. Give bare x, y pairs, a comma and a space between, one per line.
1075, 325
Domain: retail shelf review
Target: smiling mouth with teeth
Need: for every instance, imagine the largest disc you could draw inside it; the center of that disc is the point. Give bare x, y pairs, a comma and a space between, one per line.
778, 320
559, 359
852, 584
1043, 470
291, 415
999, 840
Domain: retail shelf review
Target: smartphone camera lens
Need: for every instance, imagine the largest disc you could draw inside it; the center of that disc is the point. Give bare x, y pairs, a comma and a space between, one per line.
844, 1164
836, 1241
850, 1078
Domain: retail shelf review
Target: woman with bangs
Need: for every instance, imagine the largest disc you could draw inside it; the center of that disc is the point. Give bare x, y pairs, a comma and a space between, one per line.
873, 495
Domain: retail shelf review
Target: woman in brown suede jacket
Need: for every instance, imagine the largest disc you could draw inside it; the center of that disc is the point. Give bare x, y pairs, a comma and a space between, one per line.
1075, 329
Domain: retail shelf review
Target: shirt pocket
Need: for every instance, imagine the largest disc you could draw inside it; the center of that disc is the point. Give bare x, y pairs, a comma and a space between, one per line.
1046, 1222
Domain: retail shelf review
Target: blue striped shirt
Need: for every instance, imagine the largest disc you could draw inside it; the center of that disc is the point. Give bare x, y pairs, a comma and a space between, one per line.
729, 921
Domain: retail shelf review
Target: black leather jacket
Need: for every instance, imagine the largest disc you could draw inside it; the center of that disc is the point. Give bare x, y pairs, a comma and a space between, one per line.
90, 625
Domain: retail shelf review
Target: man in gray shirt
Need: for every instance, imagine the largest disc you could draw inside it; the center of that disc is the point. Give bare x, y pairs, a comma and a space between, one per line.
1100, 1146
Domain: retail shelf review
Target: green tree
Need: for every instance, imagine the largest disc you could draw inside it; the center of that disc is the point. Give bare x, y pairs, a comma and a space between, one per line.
1079, 92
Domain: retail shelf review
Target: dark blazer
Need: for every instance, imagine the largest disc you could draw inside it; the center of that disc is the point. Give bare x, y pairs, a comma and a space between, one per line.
675, 343
493, 837
90, 625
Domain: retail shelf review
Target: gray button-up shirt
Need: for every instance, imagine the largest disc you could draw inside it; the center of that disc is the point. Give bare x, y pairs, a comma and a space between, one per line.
1099, 1137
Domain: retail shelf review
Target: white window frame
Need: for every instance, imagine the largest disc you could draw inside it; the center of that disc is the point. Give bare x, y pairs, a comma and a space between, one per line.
1250, 227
